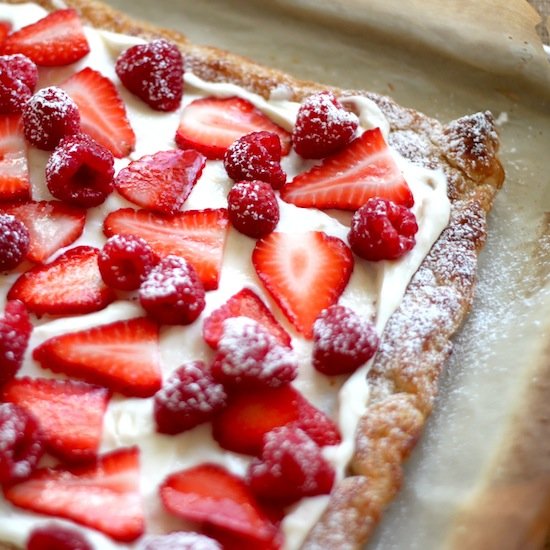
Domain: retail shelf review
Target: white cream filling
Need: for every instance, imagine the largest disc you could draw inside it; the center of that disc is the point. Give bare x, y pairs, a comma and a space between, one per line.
374, 290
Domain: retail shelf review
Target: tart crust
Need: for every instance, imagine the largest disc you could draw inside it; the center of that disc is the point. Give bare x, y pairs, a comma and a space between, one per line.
404, 376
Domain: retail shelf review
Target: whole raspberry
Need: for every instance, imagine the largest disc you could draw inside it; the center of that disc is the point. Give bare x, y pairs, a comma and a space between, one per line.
21, 445
290, 467
125, 261
21, 67
48, 116
249, 356
323, 126
14, 93
80, 171
342, 341
188, 398
382, 230
153, 72
253, 208
172, 293
14, 242
15, 331
56, 537
256, 156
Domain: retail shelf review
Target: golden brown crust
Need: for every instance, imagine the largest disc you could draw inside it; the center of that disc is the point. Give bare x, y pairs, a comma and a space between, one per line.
416, 341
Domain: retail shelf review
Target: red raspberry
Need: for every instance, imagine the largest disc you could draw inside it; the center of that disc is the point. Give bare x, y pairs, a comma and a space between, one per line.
21, 443
172, 293
15, 331
21, 67
14, 242
256, 156
382, 230
125, 261
342, 341
253, 208
153, 72
56, 537
48, 116
14, 93
290, 467
188, 398
80, 171
249, 356
323, 126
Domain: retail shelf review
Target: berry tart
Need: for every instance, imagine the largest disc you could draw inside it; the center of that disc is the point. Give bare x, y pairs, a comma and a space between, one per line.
227, 294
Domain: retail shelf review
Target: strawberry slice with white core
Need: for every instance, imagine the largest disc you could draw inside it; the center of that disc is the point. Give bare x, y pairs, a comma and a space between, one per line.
211, 124
52, 225
349, 178
71, 284
197, 235
161, 182
124, 356
70, 413
57, 39
305, 273
102, 111
104, 495
14, 171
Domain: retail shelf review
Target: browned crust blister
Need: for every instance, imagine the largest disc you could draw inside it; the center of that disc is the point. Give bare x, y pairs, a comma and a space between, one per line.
417, 340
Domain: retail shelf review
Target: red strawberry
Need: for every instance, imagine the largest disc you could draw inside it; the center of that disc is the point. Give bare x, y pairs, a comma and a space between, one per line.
210, 494
161, 182
196, 235
102, 111
70, 413
241, 426
304, 273
123, 356
71, 284
245, 303
104, 495
57, 39
348, 179
14, 172
52, 225
211, 124
5, 29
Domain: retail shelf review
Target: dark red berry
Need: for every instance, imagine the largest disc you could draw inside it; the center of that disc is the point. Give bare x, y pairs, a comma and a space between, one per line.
14, 242
249, 356
323, 126
21, 67
253, 208
179, 540
291, 466
15, 331
56, 537
188, 398
125, 261
172, 293
21, 443
256, 156
49, 116
14, 93
342, 341
153, 72
382, 230
80, 171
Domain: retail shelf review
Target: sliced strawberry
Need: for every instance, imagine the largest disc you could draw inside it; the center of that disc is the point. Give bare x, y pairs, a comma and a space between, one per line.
14, 171
241, 426
102, 111
70, 413
210, 494
52, 225
348, 179
5, 29
57, 39
196, 235
71, 284
123, 356
304, 273
211, 124
245, 303
161, 182
104, 495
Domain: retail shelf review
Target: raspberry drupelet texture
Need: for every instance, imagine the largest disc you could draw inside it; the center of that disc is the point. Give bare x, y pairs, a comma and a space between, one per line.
14, 242
56, 537
14, 93
21, 67
15, 331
